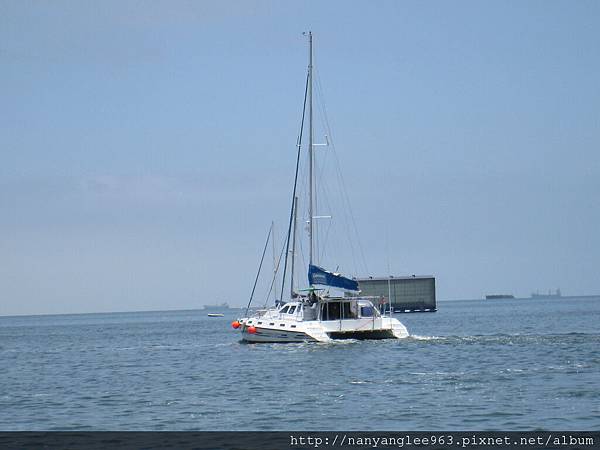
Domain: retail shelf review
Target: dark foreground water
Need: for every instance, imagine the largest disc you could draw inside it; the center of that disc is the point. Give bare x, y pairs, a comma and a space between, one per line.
503, 364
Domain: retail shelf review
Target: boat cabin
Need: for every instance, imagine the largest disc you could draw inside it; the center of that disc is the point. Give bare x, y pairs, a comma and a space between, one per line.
291, 310
347, 309
330, 309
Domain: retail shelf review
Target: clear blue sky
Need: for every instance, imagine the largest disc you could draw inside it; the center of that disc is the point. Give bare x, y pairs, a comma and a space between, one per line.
146, 146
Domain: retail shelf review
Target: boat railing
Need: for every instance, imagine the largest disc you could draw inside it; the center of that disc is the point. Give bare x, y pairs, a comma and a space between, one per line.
353, 297
261, 312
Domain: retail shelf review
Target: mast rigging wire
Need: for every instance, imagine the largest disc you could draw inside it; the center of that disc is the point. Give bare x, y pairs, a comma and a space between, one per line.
287, 245
345, 197
262, 258
274, 277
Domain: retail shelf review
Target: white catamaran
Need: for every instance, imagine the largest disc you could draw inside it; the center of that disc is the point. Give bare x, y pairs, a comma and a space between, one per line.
315, 315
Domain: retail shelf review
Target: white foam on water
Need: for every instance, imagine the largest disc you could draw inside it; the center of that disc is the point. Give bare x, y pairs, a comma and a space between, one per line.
416, 337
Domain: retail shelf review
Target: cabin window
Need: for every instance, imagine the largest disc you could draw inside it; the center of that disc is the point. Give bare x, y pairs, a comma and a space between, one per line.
349, 311
285, 309
367, 311
331, 311
292, 309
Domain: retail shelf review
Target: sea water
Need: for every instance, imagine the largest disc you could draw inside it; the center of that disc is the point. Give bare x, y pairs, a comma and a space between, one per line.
472, 365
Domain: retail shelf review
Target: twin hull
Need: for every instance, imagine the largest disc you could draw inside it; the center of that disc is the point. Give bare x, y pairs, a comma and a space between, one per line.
321, 331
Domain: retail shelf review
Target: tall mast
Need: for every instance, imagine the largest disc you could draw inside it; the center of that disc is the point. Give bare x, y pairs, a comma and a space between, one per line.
294, 206
275, 262
310, 149
293, 294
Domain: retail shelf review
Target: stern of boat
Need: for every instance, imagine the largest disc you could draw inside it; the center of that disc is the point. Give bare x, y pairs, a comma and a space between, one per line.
398, 329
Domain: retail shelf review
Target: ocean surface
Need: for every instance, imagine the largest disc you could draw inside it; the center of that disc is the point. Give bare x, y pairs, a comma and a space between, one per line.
473, 365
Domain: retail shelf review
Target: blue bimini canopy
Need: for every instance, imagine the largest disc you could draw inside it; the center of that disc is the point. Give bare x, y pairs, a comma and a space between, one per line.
317, 275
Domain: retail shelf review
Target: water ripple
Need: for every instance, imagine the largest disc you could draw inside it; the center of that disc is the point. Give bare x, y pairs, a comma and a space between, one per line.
461, 367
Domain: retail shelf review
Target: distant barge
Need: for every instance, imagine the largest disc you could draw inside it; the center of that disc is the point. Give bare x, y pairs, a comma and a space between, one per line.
556, 294
498, 296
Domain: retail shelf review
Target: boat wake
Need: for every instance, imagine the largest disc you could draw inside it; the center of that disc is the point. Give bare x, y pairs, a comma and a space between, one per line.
416, 337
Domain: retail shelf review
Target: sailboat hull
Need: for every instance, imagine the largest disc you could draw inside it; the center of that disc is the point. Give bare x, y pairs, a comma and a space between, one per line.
273, 336
319, 331
270, 335
363, 335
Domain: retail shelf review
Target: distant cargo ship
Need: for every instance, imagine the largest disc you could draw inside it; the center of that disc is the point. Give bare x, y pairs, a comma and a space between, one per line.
498, 296
220, 307
556, 294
